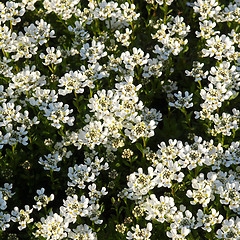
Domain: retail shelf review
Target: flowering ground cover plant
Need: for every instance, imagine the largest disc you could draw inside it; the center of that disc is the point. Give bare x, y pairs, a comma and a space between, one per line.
120, 119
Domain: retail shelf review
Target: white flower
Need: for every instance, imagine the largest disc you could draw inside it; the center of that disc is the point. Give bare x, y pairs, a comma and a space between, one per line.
52, 227
58, 113
4, 221
140, 184
6, 191
203, 193
219, 47
206, 28
80, 174
73, 81
165, 174
63, 8
42, 199
230, 229
207, 221
82, 232
93, 53
197, 71
51, 161
160, 210
123, 37
206, 9
72, 208
182, 101
181, 222
140, 234
3, 203
40, 33
22, 216
51, 57
94, 194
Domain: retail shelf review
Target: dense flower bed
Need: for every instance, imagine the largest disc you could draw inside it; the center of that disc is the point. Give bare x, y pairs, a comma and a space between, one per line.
120, 119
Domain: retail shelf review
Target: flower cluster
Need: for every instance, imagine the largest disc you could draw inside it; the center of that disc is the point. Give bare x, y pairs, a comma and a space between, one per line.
119, 119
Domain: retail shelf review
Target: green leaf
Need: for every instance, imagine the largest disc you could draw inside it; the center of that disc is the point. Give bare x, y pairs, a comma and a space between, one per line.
134, 158
126, 163
139, 147
118, 165
185, 49
234, 96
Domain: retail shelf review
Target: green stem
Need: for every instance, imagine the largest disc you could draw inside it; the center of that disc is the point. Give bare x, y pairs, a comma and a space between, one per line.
144, 146
188, 120
222, 140
91, 93
200, 85
51, 69
165, 13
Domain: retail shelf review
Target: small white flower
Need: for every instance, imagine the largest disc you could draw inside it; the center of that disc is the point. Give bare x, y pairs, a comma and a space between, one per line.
140, 234
51, 57
182, 101
22, 216
42, 199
